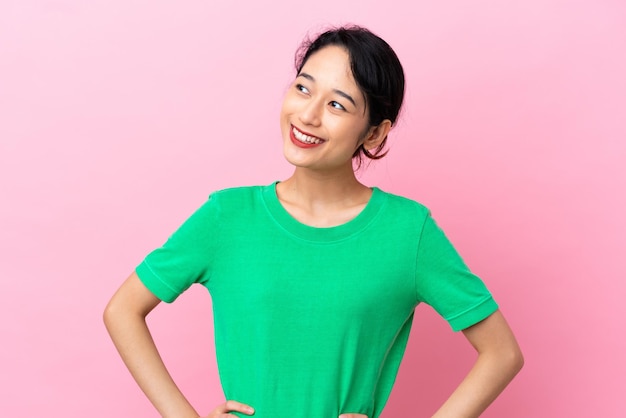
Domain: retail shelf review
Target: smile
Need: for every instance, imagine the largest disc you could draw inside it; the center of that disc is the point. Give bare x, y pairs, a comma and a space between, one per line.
305, 138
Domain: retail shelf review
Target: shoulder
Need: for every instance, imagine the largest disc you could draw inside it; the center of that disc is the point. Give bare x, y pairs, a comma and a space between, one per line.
401, 205
237, 201
234, 195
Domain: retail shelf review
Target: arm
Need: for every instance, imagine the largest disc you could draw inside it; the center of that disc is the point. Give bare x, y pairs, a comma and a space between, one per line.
124, 318
499, 360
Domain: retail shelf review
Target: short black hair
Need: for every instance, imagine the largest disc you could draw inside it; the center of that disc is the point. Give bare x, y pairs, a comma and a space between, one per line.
375, 68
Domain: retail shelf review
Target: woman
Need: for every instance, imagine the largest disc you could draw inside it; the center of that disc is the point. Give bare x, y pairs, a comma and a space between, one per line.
314, 279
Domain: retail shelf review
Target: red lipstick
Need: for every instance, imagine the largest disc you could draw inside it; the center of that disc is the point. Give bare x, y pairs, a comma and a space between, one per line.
301, 144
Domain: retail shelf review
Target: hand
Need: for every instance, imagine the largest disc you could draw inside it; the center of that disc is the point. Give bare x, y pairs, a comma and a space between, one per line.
222, 411
352, 416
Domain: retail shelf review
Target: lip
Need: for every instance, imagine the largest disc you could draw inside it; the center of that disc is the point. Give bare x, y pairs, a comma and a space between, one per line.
302, 144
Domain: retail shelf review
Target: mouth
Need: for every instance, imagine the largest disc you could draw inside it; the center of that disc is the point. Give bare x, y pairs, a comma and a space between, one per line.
304, 140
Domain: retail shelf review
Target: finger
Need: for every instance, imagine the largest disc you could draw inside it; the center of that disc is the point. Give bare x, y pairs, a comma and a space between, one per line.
234, 406
352, 416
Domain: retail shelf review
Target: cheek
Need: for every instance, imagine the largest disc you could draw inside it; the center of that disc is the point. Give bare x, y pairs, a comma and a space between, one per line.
289, 104
283, 109
286, 112
365, 132
352, 129
284, 116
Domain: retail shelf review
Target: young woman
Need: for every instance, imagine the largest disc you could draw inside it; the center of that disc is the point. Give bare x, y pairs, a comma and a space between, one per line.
314, 279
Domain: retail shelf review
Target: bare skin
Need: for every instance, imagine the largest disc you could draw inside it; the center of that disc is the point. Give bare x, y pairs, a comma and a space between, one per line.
125, 319
499, 360
323, 190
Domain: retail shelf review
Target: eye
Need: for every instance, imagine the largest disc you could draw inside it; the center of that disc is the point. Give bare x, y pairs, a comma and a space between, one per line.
302, 89
337, 105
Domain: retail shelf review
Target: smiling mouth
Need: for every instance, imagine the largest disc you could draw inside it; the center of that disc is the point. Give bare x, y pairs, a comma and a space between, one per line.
305, 138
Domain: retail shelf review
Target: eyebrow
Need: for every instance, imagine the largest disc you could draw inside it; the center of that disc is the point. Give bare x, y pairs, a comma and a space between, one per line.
339, 92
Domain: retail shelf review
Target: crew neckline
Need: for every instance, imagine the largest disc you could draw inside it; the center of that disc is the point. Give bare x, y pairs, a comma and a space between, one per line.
322, 234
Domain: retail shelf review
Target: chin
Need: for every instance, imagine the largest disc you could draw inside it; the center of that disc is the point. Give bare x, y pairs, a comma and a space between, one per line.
294, 161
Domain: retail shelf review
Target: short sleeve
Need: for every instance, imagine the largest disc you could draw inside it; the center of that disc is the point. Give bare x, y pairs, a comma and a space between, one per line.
444, 281
186, 256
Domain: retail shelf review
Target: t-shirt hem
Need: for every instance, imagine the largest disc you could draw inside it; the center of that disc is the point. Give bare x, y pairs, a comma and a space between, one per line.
474, 315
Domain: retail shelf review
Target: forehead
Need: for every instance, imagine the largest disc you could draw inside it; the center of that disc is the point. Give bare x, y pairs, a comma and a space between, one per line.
330, 67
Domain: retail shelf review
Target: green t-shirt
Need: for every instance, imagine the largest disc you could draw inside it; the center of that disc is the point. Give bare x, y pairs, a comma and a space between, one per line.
313, 322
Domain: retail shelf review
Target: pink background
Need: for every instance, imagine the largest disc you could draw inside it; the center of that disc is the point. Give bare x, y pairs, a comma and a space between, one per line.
117, 119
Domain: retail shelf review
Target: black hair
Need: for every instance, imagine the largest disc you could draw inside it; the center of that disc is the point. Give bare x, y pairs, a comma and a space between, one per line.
375, 68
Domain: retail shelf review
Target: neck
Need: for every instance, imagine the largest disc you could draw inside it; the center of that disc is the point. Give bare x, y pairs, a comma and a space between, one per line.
314, 187
323, 199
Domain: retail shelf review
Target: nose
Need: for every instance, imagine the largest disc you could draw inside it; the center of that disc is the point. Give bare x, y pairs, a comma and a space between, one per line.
311, 112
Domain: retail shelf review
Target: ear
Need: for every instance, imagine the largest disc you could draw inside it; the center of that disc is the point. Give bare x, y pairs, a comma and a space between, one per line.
376, 135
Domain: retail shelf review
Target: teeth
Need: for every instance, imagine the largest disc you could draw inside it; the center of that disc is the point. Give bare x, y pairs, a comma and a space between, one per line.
305, 138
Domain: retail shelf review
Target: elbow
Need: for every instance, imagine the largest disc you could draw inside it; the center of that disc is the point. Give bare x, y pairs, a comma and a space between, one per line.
113, 314
509, 360
108, 315
519, 361
119, 313
515, 360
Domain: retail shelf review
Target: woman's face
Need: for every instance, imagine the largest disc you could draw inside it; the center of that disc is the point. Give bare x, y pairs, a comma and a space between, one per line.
323, 117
